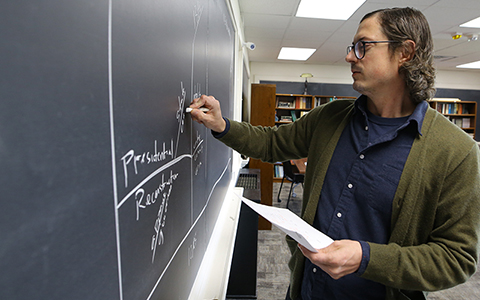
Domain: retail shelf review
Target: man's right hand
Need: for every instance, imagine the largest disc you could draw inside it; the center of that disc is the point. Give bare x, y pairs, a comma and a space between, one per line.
212, 119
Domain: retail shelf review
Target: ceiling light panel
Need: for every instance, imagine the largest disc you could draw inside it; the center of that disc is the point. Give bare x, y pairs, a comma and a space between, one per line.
289, 53
328, 9
475, 23
472, 65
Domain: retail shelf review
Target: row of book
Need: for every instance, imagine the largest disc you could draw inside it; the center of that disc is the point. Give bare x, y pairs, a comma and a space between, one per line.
287, 119
303, 103
278, 171
461, 122
297, 103
322, 100
453, 108
290, 118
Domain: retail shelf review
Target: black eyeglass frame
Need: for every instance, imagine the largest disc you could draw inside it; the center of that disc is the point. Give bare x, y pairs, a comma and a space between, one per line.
357, 48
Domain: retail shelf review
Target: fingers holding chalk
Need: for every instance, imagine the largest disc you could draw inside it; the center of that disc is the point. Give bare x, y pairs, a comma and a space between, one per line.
189, 109
206, 110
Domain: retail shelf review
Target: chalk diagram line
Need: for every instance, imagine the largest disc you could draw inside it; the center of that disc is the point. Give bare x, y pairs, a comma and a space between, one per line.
153, 174
112, 148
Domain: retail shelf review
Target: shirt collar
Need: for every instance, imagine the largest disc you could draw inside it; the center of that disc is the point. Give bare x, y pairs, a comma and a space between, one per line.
417, 116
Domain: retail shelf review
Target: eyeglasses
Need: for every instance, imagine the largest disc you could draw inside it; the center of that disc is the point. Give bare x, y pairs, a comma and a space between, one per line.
359, 47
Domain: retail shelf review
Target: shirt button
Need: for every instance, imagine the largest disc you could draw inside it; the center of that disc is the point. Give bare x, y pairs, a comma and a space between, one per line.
362, 156
339, 214
366, 127
350, 185
314, 270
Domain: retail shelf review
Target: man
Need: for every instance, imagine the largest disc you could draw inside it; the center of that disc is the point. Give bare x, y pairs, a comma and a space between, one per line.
393, 182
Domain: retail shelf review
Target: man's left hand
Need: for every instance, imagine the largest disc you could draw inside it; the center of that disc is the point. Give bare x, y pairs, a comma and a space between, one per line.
337, 260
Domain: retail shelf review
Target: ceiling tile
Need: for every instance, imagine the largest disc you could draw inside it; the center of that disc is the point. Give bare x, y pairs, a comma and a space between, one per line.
269, 7
298, 34
266, 21
254, 34
468, 4
308, 24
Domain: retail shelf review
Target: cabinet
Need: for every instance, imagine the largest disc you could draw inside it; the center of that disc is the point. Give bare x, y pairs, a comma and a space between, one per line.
263, 113
461, 113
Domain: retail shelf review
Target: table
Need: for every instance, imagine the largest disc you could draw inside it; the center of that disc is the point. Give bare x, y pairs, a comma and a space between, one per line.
301, 165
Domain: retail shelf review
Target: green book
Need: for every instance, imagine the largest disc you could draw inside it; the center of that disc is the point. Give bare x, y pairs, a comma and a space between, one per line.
294, 116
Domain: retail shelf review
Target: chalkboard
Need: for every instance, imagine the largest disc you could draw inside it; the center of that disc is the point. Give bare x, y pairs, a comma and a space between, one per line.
109, 190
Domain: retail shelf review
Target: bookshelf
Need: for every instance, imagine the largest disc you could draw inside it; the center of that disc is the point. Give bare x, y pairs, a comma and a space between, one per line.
290, 107
461, 113
319, 100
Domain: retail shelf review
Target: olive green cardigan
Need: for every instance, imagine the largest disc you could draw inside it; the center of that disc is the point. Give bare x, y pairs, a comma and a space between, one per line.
435, 224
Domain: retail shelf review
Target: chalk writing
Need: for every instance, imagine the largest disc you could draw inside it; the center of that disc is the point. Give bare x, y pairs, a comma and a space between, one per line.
197, 149
197, 91
197, 14
164, 190
191, 249
181, 107
180, 114
197, 168
144, 200
152, 175
155, 184
145, 158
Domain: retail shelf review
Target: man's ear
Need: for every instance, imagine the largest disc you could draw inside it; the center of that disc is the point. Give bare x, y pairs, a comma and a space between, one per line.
407, 51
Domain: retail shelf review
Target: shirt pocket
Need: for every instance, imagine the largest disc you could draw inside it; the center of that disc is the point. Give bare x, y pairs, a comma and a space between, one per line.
383, 188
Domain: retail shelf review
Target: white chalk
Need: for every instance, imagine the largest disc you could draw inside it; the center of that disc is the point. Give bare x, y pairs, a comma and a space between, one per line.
204, 109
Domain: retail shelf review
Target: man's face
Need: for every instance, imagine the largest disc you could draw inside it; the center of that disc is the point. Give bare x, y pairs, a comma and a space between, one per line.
378, 69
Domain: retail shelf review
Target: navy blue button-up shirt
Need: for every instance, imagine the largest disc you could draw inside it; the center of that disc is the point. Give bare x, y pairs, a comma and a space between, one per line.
357, 195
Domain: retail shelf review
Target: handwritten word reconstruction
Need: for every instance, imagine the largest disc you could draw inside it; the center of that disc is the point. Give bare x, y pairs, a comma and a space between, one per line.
144, 200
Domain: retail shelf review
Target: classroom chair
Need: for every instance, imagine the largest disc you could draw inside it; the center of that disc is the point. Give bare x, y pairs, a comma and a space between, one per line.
290, 174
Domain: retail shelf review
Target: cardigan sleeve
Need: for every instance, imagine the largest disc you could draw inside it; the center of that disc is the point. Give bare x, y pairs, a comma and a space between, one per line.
289, 141
269, 144
273, 144
435, 236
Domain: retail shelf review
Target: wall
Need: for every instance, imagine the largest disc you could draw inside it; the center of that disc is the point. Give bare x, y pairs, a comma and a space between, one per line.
469, 80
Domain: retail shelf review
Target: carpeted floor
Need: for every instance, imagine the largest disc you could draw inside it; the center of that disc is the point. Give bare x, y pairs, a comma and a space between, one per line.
273, 255
273, 275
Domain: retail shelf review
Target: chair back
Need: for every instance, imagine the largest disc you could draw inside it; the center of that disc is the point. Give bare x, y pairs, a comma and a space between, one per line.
288, 170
